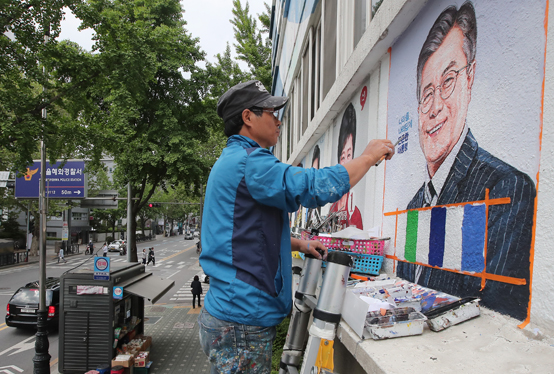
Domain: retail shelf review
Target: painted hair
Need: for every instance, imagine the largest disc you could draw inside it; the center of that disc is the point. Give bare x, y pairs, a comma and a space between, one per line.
465, 19
347, 128
316, 154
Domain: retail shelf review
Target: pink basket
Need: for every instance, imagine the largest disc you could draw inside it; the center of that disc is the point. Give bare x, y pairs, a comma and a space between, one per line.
362, 246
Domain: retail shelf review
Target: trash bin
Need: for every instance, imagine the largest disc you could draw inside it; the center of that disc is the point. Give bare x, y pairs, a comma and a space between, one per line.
94, 310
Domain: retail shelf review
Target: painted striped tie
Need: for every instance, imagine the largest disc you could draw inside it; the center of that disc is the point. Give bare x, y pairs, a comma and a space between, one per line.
447, 237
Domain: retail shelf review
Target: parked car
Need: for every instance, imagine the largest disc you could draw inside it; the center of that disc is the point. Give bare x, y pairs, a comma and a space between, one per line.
188, 235
196, 234
116, 245
23, 305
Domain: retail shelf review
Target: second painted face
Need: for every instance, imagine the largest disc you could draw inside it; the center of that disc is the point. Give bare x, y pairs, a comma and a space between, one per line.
346, 154
440, 128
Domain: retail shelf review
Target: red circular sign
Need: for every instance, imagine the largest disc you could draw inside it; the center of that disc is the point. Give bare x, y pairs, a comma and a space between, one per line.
101, 264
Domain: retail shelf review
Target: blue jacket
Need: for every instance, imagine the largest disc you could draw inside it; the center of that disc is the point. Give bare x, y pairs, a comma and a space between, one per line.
246, 248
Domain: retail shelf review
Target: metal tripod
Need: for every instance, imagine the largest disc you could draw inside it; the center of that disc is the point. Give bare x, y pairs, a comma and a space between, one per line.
318, 356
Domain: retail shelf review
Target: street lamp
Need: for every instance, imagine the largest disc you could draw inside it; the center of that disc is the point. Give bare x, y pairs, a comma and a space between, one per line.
41, 360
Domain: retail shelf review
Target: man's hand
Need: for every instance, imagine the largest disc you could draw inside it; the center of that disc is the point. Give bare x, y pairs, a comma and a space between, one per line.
309, 247
372, 153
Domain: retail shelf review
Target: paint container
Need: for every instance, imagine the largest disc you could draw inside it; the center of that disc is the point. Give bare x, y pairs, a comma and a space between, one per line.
394, 323
451, 314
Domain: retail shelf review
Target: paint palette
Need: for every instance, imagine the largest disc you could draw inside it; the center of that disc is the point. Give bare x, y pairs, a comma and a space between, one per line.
451, 314
394, 323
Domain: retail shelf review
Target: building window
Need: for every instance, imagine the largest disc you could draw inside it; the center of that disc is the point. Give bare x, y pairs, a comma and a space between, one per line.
329, 46
361, 15
51, 234
305, 87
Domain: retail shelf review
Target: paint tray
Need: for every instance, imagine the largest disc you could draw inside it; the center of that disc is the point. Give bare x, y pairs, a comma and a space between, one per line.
451, 314
394, 323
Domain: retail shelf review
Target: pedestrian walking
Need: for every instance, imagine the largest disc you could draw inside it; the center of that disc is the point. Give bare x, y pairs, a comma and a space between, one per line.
151, 257
105, 249
60, 256
144, 256
196, 289
247, 245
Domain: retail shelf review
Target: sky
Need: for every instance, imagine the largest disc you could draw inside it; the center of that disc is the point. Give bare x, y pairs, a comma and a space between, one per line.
206, 19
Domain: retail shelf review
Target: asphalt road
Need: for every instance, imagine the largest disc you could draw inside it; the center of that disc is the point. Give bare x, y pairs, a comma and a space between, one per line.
175, 259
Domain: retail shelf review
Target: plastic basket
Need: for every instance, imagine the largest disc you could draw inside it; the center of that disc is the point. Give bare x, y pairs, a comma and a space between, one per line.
366, 264
363, 246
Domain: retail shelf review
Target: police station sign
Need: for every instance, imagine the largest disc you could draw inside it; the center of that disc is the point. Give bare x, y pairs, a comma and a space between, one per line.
62, 182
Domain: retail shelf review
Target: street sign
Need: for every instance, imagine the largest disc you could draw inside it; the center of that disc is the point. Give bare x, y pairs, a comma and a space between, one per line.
118, 293
67, 182
65, 231
101, 268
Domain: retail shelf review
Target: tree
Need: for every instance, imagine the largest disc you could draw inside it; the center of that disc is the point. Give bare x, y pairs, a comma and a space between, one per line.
252, 46
37, 75
146, 113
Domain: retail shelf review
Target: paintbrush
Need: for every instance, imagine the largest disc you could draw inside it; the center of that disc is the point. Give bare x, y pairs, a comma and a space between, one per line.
382, 158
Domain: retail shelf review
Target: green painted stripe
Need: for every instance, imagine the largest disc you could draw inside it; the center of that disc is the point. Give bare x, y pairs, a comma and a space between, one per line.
411, 236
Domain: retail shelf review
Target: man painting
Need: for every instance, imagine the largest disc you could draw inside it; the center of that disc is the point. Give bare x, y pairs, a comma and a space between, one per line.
458, 170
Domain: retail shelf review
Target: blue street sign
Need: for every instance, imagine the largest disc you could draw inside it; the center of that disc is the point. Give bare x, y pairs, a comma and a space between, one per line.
101, 268
67, 182
118, 293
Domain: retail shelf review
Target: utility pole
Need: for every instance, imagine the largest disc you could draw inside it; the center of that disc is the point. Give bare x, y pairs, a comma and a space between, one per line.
129, 202
41, 360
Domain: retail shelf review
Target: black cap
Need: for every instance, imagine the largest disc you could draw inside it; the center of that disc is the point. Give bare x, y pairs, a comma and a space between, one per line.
247, 95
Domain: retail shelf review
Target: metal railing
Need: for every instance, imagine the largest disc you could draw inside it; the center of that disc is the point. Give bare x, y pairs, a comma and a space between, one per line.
18, 256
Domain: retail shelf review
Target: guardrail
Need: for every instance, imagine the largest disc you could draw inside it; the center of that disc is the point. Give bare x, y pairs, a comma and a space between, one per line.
73, 249
16, 257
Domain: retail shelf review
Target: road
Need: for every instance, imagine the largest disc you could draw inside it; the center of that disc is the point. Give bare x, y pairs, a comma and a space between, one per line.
175, 259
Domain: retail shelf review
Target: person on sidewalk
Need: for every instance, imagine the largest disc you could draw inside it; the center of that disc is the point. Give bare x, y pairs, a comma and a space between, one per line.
246, 247
105, 249
151, 257
144, 256
196, 289
60, 256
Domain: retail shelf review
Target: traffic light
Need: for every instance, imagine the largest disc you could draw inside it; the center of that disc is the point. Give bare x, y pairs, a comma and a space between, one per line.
154, 205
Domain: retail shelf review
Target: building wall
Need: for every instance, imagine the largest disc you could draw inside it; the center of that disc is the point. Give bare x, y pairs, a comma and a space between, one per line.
478, 244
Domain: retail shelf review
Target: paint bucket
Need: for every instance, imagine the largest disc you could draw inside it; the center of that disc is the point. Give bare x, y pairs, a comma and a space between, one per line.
103, 369
117, 369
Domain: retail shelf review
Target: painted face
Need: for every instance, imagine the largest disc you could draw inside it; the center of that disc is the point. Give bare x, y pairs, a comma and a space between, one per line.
315, 163
346, 154
441, 126
267, 128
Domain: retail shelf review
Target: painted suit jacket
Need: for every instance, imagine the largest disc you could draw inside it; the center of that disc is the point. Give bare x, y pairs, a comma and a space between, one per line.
509, 229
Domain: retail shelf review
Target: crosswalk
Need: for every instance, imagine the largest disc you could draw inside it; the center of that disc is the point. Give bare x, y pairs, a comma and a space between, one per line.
183, 294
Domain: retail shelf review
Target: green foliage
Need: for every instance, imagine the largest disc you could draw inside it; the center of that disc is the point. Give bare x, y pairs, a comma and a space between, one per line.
376, 7
252, 46
278, 344
10, 228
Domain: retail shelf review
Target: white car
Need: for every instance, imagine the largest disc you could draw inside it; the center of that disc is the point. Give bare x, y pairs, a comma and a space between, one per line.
196, 234
116, 245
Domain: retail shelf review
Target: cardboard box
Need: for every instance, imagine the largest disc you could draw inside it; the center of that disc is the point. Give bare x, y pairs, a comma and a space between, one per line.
124, 360
141, 359
147, 343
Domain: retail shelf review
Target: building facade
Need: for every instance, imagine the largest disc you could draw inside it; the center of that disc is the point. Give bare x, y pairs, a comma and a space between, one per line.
467, 199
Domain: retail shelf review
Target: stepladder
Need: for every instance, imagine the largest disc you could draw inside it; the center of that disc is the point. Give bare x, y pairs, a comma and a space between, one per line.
309, 347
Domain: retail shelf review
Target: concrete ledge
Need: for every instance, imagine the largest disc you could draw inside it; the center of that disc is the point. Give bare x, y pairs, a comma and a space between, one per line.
491, 343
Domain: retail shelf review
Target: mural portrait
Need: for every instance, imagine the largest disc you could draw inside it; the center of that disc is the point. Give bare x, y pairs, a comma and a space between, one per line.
345, 153
464, 209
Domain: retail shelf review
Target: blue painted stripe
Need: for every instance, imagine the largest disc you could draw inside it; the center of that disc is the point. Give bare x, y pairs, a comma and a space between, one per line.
436, 238
473, 238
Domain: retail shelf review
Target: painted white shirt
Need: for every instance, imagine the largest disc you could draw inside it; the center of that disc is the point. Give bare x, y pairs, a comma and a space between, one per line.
440, 176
